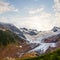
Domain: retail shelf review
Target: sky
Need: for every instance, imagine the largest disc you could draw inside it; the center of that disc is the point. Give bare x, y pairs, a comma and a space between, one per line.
34, 14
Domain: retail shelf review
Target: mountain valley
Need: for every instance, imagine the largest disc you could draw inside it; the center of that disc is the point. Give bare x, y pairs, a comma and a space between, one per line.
27, 43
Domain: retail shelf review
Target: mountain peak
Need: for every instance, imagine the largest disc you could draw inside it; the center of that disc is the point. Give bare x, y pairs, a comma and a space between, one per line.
55, 29
29, 31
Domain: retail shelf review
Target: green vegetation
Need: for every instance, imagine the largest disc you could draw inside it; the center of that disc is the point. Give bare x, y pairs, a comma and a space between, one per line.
50, 56
7, 37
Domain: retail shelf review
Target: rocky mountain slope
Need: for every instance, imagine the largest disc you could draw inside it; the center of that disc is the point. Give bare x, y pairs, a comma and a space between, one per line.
12, 28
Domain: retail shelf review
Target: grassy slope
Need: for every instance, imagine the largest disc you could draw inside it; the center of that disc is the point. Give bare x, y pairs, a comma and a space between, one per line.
50, 56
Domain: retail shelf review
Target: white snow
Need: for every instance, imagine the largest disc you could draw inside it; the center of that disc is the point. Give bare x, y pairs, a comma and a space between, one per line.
43, 47
39, 39
20, 46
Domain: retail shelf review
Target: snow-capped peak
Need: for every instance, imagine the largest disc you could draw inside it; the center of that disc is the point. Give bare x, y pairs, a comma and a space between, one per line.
29, 31
56, 29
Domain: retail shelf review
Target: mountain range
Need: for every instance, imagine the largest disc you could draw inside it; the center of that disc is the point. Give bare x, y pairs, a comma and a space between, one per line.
22, 40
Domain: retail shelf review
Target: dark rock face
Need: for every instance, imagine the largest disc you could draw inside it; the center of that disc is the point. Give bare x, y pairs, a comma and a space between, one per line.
32, 33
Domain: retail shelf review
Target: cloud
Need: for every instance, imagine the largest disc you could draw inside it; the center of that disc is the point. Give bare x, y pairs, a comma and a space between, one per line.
56, 5
36, 18
4, 19
6, 7
57, 12
39, 20
35, 11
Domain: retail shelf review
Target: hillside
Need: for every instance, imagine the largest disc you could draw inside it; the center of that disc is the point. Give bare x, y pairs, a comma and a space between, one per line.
12, 28
54, 55
11, 45
7, 37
